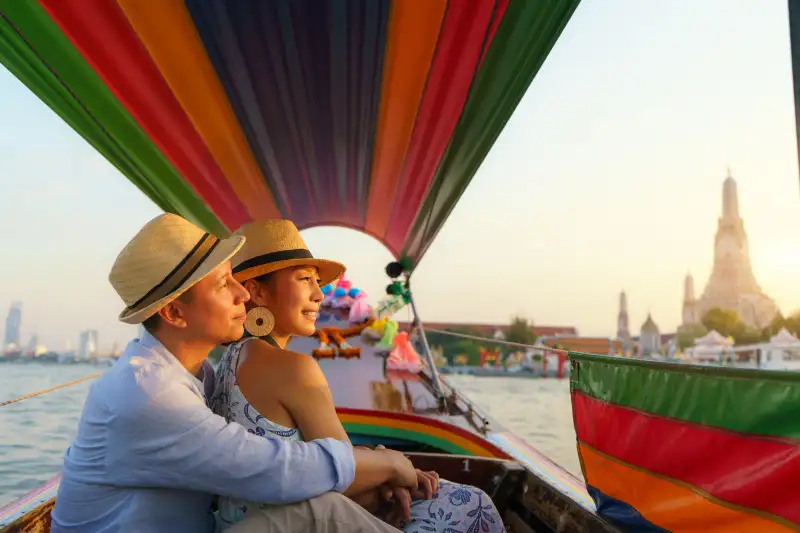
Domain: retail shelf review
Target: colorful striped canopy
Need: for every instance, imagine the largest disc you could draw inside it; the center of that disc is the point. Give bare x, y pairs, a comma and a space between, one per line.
794, 33
675, 447
368, 114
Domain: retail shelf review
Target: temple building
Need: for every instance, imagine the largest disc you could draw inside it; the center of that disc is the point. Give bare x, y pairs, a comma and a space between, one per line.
649, 338
732, 284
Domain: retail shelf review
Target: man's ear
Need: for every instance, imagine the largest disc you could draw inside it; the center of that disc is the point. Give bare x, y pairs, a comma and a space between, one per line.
171, 315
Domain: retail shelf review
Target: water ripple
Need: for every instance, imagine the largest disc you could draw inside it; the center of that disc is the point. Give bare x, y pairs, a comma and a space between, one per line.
538, 410
35, 433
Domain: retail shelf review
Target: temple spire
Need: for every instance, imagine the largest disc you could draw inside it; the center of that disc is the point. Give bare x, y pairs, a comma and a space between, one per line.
688, 288
690, 317
730, 198
732, 284
623, 332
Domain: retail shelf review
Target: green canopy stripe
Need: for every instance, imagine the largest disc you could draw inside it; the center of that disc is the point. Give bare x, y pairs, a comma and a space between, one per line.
37, 52
524, 38
741, 400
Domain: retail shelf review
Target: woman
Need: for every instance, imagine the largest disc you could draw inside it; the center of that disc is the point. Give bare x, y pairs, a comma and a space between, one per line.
276, 392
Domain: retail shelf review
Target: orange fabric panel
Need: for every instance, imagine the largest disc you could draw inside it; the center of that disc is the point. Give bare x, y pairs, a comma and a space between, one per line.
670, 504
411, 43
167, 31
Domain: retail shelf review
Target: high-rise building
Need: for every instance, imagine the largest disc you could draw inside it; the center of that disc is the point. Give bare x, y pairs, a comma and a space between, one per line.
87, 345
13, 325
732, 284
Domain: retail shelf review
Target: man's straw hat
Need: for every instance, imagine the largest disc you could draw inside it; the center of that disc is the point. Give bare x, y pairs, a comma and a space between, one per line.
163, 260
276, 244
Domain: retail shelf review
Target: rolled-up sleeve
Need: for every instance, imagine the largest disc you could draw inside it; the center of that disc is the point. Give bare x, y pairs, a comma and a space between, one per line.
172, 440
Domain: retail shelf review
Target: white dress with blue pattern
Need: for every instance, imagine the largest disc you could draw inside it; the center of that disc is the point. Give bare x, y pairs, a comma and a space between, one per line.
454, 509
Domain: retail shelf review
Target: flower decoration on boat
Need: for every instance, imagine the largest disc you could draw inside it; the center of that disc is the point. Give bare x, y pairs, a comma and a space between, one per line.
372, 334
360, 310
344, 302
403, 357
387, 340
380, 334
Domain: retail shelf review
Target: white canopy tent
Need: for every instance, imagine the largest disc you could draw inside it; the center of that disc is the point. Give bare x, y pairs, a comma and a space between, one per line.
711, 347
782, 352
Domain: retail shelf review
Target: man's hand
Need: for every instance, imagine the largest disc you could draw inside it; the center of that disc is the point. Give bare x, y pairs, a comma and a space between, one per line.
405, 475
400, 500
406, 486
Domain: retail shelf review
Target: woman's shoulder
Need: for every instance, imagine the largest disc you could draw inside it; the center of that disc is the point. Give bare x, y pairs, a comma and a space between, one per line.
286, 366
261, 354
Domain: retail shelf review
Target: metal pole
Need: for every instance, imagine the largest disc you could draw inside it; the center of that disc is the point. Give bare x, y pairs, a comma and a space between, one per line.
437, 386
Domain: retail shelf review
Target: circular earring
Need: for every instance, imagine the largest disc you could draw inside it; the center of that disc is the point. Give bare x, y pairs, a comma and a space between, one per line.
259, 322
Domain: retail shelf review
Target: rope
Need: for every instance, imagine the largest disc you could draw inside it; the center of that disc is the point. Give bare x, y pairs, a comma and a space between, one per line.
498, 341
51, 389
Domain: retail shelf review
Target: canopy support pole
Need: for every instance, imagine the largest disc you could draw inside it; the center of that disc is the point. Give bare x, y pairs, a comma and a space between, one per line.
417, 324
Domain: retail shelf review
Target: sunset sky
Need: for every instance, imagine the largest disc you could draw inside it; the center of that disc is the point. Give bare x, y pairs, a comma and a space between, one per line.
608, 177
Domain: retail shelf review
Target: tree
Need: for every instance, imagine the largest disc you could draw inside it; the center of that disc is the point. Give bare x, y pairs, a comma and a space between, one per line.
453, 346
792, 323
775, 326
727, 324
687, 335
468, 348
750, 336
520, 331
723, 321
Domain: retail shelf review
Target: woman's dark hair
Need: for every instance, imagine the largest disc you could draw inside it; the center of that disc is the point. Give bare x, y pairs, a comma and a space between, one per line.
263, 278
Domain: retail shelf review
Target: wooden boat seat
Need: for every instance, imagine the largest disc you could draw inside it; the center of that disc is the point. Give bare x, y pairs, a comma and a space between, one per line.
525, 502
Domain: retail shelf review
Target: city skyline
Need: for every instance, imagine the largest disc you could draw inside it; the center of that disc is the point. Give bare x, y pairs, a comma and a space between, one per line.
606, 177
86, 347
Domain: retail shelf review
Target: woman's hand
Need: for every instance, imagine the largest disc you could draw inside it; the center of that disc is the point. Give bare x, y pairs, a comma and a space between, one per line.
427, 485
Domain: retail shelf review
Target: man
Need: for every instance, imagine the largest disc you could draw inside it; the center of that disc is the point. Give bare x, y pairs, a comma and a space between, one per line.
149, 453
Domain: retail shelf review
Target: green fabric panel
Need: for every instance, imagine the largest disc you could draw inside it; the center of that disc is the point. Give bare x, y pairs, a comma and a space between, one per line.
382, 431
748, 401
90, 108
523, 41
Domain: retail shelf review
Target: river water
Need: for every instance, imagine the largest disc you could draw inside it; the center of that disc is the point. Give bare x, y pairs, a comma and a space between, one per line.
34, 433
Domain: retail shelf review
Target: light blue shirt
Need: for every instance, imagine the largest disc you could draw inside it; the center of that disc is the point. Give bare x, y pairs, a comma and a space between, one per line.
149, 454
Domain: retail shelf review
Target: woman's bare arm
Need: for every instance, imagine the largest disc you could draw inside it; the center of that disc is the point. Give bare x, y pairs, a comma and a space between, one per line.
296, 381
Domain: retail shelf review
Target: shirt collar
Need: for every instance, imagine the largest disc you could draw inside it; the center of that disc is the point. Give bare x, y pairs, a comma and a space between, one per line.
154, 346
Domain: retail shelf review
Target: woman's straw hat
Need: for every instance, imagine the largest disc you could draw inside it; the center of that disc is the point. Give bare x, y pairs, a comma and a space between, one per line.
163, 260
276, 244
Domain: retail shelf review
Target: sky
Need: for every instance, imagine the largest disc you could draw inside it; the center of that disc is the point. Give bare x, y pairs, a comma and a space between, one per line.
608, 177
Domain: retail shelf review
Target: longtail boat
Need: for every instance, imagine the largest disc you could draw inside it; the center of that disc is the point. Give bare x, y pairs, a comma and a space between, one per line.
375, 115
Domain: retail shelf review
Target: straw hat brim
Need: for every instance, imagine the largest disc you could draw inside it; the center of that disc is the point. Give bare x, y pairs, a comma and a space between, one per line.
328, 271
221, 253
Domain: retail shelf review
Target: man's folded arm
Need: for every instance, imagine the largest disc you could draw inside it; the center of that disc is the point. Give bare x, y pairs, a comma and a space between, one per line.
175, 441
